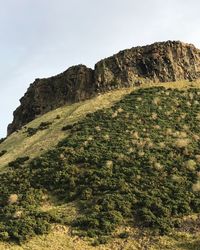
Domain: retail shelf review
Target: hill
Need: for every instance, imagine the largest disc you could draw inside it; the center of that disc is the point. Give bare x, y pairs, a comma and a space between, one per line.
121, 169
106, 158
159, 62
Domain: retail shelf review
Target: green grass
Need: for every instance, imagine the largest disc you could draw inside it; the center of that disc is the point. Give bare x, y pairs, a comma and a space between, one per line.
135, 163
19, 144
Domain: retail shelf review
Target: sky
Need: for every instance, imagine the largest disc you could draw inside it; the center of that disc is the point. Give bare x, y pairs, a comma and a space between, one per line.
41, 38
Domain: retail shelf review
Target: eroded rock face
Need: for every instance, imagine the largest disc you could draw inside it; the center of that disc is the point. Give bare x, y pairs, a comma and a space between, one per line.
74, 85
159, 62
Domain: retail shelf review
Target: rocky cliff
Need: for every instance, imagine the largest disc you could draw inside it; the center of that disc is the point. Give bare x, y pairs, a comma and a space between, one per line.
159, 62
73, 85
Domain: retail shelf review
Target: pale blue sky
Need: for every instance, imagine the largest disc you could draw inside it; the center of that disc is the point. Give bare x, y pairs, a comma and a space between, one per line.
40, 38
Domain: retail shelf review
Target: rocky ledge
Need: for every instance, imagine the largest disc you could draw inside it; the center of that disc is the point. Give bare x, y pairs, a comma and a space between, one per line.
158, 62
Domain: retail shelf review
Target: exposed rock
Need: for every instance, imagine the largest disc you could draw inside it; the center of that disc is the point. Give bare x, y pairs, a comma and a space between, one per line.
159, 62
74, 85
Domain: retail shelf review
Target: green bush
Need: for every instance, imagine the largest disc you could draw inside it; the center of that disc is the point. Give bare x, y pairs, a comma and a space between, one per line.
115, 174
32, 131
3, 152
2, 140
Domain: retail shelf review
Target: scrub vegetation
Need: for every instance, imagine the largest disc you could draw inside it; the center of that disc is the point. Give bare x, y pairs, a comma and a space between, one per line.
136, 163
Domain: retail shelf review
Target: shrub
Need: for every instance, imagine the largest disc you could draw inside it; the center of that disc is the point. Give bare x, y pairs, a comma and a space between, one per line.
31, 131
124, 235
3, 152
2, 140
191, 165
43, 125
20, 161
103, 175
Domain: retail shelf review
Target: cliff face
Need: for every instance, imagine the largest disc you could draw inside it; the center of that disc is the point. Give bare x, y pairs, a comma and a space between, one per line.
75, 84
159, 62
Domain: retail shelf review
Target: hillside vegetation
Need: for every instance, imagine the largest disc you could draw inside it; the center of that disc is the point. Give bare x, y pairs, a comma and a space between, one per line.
134, 164
19, 144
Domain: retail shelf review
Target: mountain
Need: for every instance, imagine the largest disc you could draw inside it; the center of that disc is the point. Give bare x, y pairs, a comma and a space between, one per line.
115, 166
159, 62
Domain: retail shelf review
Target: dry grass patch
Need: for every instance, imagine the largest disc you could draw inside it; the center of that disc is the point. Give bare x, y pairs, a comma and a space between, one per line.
182, 143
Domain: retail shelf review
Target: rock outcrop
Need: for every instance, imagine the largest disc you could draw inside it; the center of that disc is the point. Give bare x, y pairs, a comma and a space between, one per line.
159, 62
73, 85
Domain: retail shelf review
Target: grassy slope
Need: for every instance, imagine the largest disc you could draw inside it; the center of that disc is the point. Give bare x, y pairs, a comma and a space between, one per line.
18, 144
60, 238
